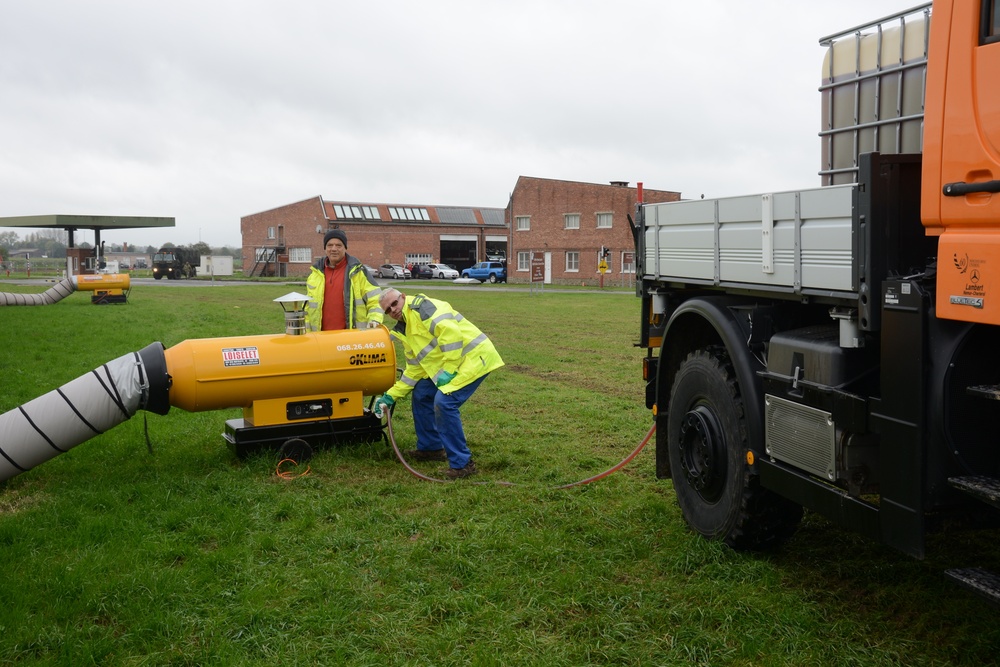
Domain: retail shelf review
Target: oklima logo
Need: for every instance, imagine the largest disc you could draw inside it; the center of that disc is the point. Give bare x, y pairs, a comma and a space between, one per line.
369, 358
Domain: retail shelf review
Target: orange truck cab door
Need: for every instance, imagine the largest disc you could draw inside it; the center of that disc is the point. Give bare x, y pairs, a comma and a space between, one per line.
960, 190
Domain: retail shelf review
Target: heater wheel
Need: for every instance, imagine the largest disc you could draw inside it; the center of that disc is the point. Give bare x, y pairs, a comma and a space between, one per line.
297, 450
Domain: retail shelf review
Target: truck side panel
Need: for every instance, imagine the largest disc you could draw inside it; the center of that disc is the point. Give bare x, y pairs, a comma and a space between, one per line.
786, 241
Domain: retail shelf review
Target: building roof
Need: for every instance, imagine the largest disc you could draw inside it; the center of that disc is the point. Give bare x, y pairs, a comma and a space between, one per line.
610, 184
351, 211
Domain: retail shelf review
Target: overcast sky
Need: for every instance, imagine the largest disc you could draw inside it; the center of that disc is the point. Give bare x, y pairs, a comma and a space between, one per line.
208, 111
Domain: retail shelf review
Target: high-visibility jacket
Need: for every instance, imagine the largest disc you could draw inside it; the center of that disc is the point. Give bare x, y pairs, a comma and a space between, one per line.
360, 295
435, 337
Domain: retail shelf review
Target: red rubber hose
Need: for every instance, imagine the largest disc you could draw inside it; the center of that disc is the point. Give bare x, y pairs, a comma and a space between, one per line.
609, 471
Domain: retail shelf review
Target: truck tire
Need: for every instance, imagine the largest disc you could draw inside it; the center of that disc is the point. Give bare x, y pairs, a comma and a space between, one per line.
707, 442
493, 277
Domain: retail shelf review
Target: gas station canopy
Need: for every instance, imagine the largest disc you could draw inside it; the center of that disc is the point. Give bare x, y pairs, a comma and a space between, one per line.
71, 223
95, 222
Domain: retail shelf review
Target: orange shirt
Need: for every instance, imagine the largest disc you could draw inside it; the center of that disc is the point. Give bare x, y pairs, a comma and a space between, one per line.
334, 313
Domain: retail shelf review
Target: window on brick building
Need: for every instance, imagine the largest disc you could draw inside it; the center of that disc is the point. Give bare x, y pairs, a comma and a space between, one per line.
572, 220
417, 258
524, 261
407, 213
572, 261
347, 212
604, 220
270, 232
300, 255
355, 212
523, 223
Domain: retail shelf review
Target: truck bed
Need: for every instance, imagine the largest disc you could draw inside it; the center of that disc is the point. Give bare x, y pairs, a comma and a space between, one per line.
836, 243
796, 241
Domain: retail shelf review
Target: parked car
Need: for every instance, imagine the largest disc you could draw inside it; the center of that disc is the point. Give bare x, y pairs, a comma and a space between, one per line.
393, 271
494, 272
372, 271
422, 271
442, 271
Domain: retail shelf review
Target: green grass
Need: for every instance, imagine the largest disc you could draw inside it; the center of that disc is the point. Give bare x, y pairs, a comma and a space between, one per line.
190, 556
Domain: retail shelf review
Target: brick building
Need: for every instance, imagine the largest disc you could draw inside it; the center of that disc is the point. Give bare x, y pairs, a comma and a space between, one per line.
567, 221
284, 241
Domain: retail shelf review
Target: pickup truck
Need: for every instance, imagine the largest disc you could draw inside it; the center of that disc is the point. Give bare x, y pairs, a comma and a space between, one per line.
494, 272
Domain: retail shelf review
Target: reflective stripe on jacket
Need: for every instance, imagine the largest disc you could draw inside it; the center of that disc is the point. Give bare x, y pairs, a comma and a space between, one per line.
435, 337
360, 295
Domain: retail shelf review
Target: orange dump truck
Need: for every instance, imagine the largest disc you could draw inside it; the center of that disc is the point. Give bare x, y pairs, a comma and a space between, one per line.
837, 349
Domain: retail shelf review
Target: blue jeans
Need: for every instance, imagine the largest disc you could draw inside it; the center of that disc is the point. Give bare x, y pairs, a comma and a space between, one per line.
437, 422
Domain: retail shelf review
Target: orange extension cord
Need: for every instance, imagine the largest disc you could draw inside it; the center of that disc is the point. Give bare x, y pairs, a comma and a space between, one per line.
287, 474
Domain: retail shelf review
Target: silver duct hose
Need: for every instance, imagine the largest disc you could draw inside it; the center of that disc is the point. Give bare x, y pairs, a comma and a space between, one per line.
82, 409
57, 292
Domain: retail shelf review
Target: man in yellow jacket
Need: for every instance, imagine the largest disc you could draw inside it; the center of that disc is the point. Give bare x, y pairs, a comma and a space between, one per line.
447, 358
341, 293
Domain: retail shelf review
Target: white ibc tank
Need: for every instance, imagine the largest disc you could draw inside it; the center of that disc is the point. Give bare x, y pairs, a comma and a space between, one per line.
873, 92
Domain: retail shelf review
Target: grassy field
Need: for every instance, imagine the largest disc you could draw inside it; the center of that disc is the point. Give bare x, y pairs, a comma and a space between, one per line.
189, 556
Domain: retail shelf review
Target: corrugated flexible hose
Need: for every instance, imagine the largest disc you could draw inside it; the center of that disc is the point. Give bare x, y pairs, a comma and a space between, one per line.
57, 292
81, 409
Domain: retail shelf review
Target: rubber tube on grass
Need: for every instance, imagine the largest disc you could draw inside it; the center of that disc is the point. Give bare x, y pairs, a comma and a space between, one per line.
609, 471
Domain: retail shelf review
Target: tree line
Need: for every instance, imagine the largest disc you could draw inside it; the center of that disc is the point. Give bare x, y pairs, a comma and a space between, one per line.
53, 243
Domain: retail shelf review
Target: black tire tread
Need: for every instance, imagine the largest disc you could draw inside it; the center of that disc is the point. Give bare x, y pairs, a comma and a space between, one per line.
763, 519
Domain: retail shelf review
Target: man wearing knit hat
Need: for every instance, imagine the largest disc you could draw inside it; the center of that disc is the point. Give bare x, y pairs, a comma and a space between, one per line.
341, 293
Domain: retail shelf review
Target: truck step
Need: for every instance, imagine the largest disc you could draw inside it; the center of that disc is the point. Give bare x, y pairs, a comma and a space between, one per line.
986, 489
990, 392
981, 582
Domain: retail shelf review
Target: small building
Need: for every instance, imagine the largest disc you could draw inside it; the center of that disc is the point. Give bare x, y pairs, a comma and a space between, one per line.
215, 265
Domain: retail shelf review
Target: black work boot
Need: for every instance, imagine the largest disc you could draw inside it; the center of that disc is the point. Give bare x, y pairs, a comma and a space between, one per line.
427, 455
458, 473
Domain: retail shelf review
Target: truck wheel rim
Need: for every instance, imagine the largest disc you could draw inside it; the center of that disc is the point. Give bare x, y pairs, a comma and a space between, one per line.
703, 452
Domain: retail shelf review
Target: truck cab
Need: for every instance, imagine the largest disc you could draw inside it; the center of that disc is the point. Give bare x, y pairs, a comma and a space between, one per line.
960, 199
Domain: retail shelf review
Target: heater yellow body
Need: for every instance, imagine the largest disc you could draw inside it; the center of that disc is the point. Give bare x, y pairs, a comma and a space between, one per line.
281, 378
102, 282
296, 391
106, 287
